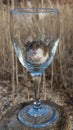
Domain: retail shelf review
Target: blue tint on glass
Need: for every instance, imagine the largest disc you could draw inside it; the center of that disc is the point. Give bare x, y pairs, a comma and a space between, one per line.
37, 118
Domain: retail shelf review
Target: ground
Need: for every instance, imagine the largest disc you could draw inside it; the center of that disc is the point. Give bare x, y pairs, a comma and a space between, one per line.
23, 92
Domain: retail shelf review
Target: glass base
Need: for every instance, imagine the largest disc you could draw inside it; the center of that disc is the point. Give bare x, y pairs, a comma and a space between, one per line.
37, 118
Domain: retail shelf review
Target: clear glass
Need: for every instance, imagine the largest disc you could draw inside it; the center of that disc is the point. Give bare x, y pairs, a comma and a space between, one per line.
35, 38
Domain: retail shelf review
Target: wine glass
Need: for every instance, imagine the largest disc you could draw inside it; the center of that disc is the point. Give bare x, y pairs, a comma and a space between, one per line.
35, 37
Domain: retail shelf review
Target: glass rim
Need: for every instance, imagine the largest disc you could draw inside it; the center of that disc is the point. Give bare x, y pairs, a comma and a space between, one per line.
34, 10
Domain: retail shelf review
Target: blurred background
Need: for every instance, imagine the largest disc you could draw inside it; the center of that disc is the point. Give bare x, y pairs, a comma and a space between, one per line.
16, 84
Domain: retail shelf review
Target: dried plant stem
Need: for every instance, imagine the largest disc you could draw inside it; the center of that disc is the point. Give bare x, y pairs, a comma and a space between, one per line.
44, 86
13, 65
29, 4
13, 76
58, 5
3, 37
42, 3
12, 4
61, 67
50, 3
43, 80
17, 78
52, 74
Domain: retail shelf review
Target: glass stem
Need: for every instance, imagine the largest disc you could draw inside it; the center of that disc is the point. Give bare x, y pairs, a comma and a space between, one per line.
37, 81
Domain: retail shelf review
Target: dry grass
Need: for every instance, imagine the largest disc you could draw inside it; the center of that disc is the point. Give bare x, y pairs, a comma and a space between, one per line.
61, 70
59, 75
